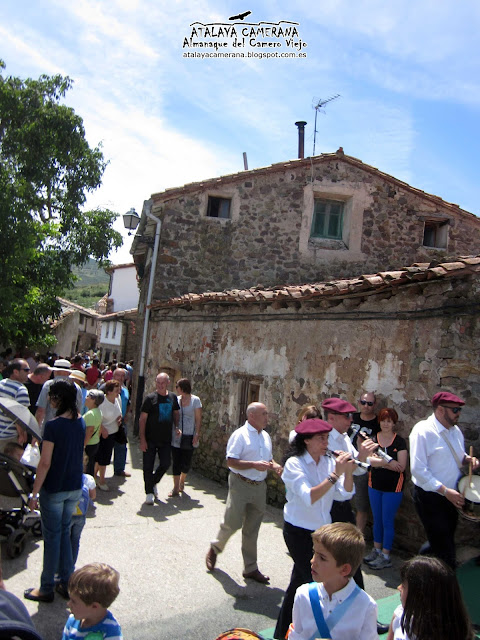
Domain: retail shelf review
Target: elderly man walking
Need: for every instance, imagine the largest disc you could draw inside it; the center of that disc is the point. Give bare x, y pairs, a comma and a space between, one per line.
158, 415
13, 387
249, 457
437, 451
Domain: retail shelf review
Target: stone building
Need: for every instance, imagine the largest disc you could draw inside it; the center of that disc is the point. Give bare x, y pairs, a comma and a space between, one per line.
307, 220
76, 329
404, 334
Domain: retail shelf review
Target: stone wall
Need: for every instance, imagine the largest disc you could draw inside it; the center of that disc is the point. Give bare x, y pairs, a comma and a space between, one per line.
267, 240
404, 343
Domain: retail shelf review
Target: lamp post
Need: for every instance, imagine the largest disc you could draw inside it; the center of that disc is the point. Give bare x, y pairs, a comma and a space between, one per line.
132, 218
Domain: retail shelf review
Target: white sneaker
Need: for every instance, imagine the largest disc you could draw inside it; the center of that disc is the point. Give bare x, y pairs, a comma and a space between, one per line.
380, 563
155, 491
150, 499
373, 555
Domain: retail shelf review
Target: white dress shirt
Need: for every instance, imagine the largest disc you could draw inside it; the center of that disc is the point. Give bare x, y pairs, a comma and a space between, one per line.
247, 444
398, 634
358, 623
431, 461
300, 474
341, 442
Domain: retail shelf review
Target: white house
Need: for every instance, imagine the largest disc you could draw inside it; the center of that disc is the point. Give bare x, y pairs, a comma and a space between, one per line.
118, 324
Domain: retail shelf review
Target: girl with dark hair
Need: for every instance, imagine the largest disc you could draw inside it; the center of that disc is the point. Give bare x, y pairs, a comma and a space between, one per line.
58, 488
186, 436
385, 488
432, 604
312, 481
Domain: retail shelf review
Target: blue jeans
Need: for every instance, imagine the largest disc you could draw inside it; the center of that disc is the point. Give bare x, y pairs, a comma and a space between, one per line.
78, 522
119, 457
384, 507
57, 510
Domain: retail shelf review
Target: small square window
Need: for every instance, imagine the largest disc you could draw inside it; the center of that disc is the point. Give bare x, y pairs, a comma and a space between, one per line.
327, 219
218, 207
435, 234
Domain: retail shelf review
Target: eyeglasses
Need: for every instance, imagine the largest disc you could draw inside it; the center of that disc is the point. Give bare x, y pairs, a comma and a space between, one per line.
364, 402
25, 369
454, 410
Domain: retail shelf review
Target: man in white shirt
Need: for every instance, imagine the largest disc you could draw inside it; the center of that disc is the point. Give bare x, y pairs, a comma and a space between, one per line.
437, 451
249, 458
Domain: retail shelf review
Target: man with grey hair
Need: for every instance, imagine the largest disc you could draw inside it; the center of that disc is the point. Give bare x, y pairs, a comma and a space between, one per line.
249, 458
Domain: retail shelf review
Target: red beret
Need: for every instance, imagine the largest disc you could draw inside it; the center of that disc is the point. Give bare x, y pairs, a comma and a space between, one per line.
445, 396
337, 405
311, 426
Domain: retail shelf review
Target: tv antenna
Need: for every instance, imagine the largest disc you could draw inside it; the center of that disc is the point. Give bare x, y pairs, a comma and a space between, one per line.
318, 105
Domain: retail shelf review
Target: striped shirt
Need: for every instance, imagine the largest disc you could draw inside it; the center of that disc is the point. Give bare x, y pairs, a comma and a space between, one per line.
16, 391
108, 628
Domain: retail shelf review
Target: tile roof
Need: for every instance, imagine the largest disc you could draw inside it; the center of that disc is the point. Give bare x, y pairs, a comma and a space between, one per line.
305, 162
335, 289
73, 305
118, 314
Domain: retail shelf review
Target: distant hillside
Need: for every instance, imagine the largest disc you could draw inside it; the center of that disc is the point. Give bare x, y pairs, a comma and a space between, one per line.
90, 274
92, 284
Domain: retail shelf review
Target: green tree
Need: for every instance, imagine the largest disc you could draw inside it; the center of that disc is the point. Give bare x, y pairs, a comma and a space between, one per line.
46, 171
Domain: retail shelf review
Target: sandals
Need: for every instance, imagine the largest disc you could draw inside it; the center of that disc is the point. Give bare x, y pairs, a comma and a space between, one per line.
173, 494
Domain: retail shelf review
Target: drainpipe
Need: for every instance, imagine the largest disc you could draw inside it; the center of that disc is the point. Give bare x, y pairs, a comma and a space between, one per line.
153, 268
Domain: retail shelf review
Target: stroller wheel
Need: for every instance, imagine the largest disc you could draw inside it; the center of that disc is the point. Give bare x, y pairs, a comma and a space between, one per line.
37, 529
16, 543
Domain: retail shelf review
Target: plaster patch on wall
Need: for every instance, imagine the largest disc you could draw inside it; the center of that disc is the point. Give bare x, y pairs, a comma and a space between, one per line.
236, 356
385, 378
330, 378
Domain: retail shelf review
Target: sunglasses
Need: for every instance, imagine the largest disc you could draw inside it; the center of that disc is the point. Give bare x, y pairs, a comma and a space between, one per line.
454, 410
364, 402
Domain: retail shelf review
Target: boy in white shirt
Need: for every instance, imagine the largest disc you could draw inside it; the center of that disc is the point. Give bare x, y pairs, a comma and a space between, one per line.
334, 606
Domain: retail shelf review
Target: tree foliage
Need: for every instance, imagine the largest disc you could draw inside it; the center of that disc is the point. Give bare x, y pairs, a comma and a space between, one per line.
47, 170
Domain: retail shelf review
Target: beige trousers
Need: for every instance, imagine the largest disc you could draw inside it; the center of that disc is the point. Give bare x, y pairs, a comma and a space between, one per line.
246, 505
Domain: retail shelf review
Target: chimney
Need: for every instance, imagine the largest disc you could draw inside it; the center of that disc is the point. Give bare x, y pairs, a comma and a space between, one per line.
301, 138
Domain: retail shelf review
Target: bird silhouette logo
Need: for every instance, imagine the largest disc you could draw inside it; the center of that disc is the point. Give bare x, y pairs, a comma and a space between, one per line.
241, 16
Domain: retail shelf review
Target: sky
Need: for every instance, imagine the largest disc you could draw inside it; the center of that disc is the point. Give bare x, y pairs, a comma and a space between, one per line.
407, 74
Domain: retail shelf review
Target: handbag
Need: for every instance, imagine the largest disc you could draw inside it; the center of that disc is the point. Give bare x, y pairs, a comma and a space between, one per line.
121, 435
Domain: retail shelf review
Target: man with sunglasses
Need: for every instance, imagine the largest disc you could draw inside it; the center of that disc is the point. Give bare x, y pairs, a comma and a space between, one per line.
364, 421
13, 387
437, 451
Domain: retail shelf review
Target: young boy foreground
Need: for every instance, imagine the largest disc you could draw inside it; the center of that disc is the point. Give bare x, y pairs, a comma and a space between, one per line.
92, 589
334, 606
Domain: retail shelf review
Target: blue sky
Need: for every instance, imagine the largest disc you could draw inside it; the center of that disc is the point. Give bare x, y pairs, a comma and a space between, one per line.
407, 72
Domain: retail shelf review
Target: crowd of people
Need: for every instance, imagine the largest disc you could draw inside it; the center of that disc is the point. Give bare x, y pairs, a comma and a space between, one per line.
336, 453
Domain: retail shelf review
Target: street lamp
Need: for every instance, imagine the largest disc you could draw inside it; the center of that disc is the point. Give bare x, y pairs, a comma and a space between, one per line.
131, 220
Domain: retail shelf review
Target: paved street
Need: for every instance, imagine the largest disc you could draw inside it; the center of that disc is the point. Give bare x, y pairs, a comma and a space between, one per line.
166, 591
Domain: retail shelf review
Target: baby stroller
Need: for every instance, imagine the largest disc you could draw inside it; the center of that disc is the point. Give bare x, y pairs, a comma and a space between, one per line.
16, 481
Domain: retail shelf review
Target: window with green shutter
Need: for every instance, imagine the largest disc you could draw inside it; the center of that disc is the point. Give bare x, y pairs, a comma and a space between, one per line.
327, 219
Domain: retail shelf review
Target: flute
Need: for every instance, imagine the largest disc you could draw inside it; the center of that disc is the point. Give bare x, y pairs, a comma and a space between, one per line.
379, 452
334, 454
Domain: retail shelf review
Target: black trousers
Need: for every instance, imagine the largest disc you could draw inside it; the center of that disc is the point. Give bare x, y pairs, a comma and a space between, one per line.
343, 512
151, 477
300, 545
439, 518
